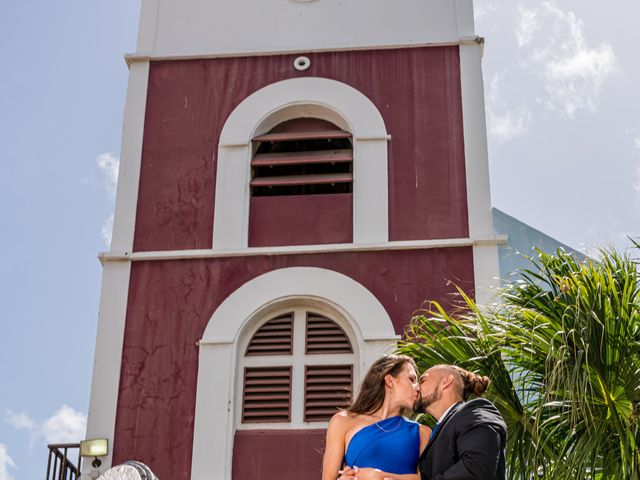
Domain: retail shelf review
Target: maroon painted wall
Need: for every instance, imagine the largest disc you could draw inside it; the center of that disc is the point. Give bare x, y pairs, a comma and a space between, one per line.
301, 220
285, 455
170, 303
417, 90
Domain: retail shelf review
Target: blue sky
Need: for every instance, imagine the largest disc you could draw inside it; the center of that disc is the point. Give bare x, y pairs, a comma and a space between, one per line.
561, 81
62, 87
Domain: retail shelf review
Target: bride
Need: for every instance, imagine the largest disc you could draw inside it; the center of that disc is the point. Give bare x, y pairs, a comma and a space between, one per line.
372, 434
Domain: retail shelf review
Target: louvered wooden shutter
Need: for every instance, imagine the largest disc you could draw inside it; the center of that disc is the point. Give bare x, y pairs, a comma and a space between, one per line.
267, 395
302, 156
273, 338
326, 389
325, 336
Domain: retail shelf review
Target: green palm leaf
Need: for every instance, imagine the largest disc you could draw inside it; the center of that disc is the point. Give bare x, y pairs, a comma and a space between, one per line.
563, 351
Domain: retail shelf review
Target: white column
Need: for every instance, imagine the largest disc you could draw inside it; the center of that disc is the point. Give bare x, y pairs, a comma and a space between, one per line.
231, 217
147, 27
115, 275
106, 368
370, 191
130, 158
485, 257
213, 429
464, 18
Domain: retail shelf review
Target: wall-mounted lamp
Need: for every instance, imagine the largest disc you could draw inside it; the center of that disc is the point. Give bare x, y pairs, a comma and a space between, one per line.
98, 447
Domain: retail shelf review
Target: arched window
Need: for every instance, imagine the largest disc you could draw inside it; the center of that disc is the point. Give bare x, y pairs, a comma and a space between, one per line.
297, 369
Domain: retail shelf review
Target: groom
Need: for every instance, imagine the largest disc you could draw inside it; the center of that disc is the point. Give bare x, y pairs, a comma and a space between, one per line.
468, 442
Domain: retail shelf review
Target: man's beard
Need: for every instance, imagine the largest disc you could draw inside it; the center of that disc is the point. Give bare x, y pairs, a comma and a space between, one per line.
423, 403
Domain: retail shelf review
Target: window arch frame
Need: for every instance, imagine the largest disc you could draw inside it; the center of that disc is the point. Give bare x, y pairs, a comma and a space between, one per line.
314, 97
217, 358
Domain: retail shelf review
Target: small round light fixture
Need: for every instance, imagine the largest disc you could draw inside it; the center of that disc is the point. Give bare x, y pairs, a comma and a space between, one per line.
301, 63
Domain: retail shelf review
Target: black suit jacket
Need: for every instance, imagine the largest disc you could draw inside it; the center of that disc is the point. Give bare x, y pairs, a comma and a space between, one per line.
468, 445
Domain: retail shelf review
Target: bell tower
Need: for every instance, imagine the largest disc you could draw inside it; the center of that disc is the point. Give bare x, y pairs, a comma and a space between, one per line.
296, 179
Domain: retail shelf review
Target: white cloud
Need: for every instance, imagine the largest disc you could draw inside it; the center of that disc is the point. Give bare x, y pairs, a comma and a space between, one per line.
66, 425
555, 49
505, 123
5, 462
483, 8
109, 165
20, 421
529, 23
107, 230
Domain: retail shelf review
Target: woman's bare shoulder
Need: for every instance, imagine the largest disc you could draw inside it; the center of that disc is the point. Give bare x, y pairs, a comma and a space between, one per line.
425, 433
341, 417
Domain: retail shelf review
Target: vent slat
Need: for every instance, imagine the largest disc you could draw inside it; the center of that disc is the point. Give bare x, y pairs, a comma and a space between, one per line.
273, 338
274, 383
276, 346
324, 330
336, 341
327, 381
302, 158
321, 404
328, 372
270, 340
326, 389
261, 373
313, 397
255, 398
280, 325
269, 331
295, 136
316, 179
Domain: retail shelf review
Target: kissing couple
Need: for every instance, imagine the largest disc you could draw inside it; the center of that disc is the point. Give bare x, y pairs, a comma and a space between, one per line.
373, 440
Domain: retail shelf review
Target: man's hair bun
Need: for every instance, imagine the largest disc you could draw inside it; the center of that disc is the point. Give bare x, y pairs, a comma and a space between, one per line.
472, 383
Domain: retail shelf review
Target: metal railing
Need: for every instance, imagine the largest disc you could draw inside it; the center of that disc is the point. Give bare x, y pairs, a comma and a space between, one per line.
59, 466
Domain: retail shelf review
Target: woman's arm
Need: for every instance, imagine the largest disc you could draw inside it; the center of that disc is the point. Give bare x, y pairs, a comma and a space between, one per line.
425, 432
374, 474
334, 449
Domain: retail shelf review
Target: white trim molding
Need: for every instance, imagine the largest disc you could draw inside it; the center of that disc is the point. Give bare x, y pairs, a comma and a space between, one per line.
304, 249
314, 97
131, 58
485, 257
359, 311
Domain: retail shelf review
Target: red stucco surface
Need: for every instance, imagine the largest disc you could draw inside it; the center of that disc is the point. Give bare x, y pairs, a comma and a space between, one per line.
170, 303
291, 455
417, 91
301, 220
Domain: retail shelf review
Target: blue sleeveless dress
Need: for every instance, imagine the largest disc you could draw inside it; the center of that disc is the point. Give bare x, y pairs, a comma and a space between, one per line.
392, 445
